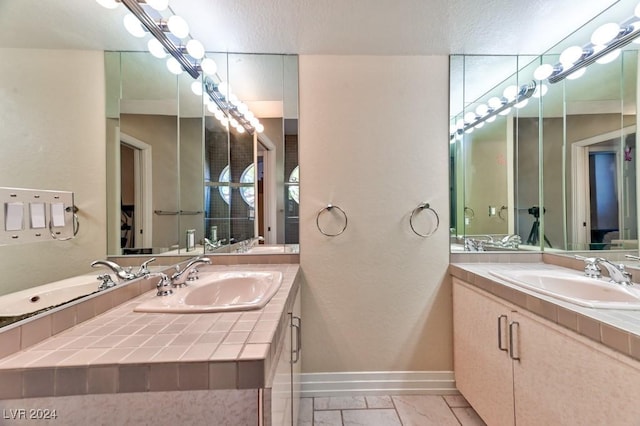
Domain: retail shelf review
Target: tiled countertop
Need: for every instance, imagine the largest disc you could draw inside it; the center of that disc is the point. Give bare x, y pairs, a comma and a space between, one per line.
616, 329
126, 351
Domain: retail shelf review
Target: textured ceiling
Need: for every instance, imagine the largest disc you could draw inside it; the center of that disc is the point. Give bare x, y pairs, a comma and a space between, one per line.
379, 27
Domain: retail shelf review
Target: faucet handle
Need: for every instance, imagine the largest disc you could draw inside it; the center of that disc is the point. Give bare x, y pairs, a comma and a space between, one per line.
106, 283
164, 284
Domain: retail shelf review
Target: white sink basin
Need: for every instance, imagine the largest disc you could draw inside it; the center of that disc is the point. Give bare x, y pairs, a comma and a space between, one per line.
218, 292
574, 287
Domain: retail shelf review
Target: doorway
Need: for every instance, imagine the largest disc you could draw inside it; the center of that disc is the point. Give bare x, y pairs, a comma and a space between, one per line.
135, 196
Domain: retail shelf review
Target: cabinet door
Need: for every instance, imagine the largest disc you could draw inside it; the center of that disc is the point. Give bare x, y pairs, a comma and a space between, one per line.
483, 371
281, 387
296, 362
565, 379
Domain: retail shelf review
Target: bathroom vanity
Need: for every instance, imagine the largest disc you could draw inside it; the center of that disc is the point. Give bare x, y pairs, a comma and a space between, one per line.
127, 367
528, 359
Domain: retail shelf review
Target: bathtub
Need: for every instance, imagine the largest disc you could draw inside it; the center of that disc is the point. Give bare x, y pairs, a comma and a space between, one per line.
34, 299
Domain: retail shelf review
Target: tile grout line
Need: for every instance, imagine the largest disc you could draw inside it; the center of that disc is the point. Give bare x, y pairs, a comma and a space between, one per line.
451, 410
393, 402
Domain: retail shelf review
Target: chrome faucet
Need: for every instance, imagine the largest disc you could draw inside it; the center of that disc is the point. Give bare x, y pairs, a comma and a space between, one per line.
254, 241
122, 274
617, 273
179, 278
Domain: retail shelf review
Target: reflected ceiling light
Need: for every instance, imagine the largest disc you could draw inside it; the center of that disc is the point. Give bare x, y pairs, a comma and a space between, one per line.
521, 104
208, 66
109, 4
233, 122
240, 129
249, 115
158, 5
570, 56
224, 88
609, 57
540, 91
156, 48
242, 108
479, 125
233, 98
196, 88
174, 66
543, 72
218, 114
469, 130
259, 128
576, 74
213, 108
496, 106
178, 26
605, 33
195, 49
510, 92
494, 103
482, 110
133, 26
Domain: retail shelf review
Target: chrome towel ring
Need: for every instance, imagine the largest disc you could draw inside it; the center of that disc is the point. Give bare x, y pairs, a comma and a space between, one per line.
76, 229
328, 209
421, 207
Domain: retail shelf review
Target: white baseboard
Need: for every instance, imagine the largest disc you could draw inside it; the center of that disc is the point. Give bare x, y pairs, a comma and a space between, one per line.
378, 383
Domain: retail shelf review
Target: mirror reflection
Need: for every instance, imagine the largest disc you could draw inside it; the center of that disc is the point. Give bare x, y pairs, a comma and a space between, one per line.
554, 169
188, 182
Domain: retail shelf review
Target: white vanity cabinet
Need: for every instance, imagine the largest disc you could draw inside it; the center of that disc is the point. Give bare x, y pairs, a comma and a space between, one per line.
548, 375
285, 390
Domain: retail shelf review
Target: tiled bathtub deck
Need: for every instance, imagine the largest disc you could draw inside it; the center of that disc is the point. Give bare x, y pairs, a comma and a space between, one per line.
403, 410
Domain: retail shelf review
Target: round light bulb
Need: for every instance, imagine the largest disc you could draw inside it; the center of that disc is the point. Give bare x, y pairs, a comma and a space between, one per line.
570, 55
233, 99
133, 26
523, 103
609, 57
510, 92
196, 88
249, 115
482, 110
243, 108
208, 66
605, 33
178, 26
469, 117
218, 114
577, 74
240, 129
479, 125
541, 90
491, 119
212, 108
495, 102
195, 49
259, 128
254, 122
505, 112
225, 122
460, 124
233, 122
109, 4
158, 5
543, 72
174, 66
469, 130
156, 48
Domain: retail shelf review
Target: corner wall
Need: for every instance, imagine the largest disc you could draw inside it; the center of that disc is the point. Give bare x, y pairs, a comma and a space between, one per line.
374, 141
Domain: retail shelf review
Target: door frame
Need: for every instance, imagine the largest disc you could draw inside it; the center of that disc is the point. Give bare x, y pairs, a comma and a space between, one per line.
143, 178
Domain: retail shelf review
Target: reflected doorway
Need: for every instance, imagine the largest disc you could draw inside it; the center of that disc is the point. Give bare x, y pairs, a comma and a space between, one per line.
135, 196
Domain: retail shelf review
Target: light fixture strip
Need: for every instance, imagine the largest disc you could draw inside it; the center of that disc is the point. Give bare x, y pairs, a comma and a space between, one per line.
531, 88
615, 44
219, 99
159, 34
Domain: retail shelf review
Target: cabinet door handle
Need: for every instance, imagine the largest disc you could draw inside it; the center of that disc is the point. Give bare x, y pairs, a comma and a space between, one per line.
501, 334
295, 353
514, 327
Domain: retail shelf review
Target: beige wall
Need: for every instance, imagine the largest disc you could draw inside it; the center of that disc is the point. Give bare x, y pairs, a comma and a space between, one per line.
373, 140
53, 129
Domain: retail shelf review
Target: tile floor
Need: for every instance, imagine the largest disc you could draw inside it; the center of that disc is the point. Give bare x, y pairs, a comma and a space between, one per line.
401, 410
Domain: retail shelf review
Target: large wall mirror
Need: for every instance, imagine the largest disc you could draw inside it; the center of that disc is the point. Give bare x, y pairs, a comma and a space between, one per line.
539, 164
181, 179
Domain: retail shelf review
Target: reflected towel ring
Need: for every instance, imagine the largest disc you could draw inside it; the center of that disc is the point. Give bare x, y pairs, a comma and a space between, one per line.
421, 207
329, 208
469, 209
76, 229
500, 212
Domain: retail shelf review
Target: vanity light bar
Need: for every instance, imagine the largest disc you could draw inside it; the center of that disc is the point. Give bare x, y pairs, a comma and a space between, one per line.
160, 35
524, 93
211, 89
629, 30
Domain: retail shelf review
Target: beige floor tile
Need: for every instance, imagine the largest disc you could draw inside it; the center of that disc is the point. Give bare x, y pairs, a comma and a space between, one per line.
379, 402
370, 417
467, 416
327, 418
339, 403
306, 411
456, 401
424, 410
